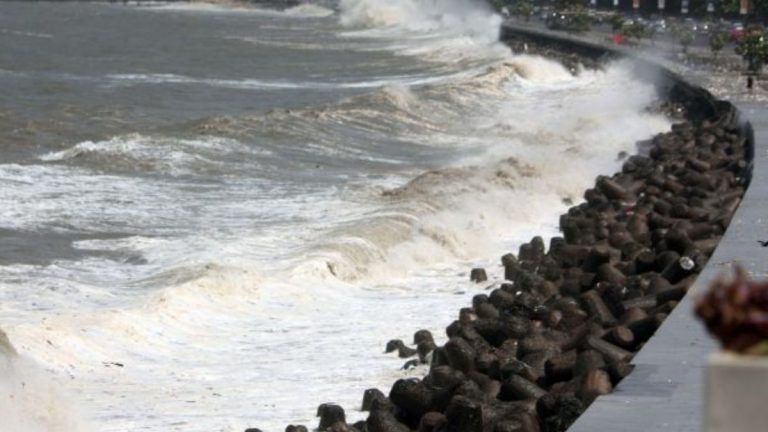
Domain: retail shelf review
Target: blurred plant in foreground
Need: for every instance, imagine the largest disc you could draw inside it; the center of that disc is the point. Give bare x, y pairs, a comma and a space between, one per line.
736, 313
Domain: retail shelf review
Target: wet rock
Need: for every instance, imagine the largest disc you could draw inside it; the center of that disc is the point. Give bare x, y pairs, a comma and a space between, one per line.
464, 415
432, 422
460, 354
424, 349
422, 336
329, 414
478, 275
384, 421
372, 396
518, 388
339, 427
444, 376
595, 383
402, 350
558, 413
412, 399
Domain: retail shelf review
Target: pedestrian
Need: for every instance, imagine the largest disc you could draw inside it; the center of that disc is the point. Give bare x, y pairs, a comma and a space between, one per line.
750, 82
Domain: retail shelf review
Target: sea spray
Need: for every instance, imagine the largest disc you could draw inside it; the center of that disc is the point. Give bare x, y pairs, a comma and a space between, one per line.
30, 398
470, 17
465, 30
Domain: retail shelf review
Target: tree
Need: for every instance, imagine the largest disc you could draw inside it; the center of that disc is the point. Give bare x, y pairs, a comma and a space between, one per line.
753, 49
522, 8
617, 22
634, 31
650, 33
570, 5
729, 7
717, 42
580, 21
684, 36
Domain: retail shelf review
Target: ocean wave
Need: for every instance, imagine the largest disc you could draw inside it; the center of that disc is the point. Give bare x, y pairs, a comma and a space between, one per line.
235, 6
135, 79
455, 213
140, 153
393, 122
451, 30
26, 33
309, 10
32, 400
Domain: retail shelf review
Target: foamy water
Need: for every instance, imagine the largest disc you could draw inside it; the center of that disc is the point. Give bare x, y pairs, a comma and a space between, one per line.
224, 253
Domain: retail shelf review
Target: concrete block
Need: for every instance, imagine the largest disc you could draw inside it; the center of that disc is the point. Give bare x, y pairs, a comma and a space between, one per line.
735, 393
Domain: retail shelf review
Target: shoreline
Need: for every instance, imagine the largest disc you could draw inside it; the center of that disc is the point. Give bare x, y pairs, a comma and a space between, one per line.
536, 352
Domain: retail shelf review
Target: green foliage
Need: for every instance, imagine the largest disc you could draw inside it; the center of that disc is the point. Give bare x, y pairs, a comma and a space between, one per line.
497, 4
717, 42
617, 22
634, 31
728, 6
754, 49
580, 21
684, 36
522, 8
570, 21
570, 5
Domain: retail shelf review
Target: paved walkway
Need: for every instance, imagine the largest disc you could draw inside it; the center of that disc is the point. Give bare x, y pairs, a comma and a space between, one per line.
665, 391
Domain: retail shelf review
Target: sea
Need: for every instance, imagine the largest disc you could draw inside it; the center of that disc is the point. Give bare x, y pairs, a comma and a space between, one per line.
214, 216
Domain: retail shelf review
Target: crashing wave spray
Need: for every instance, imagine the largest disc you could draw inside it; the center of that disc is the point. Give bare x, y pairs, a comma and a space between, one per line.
453, 25
470, 17
29, 401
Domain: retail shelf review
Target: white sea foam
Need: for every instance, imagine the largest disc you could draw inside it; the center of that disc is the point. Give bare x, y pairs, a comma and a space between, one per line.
31, 399
25, 33
136, 153
306, 10
134, 79
450, 30
309, 10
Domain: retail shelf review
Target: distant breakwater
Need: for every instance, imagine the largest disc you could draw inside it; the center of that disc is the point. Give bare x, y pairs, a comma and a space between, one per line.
563, 328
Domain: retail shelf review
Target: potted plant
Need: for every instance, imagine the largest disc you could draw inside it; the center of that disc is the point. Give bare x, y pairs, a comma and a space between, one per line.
736, 384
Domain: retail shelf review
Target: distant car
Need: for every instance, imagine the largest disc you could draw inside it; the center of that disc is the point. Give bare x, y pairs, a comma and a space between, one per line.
737, 33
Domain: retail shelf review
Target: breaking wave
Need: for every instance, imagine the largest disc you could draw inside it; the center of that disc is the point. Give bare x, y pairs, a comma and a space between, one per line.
30, 398
447, 30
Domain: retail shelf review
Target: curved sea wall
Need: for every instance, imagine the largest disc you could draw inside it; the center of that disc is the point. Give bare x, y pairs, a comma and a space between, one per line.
579, 318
